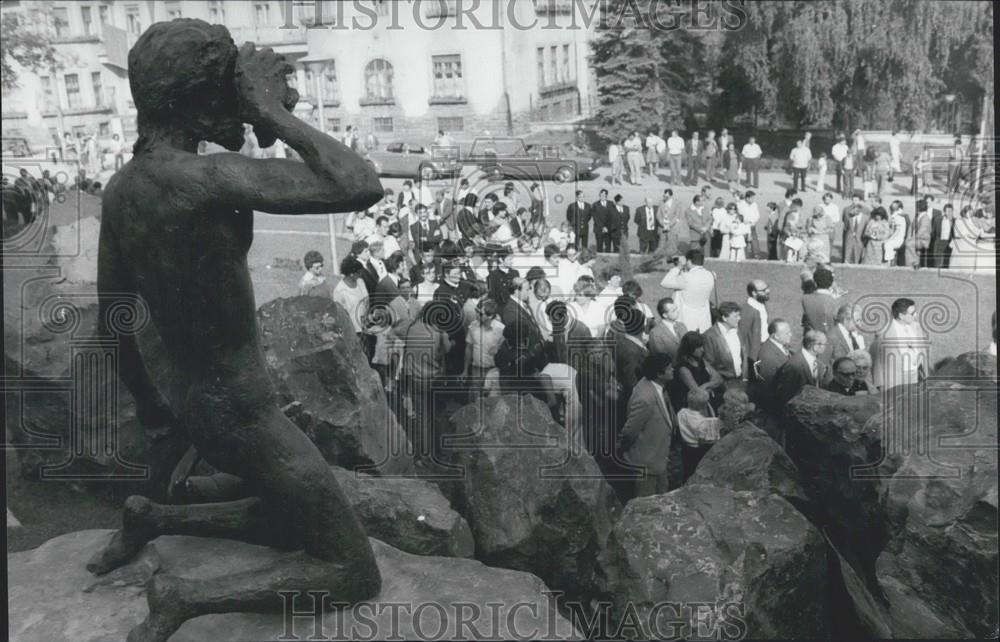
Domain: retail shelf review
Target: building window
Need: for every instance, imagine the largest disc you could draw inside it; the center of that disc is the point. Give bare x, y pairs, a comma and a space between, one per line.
216, 12
383, 125
329, 82
132, 22
97, 81
541, 67
333, 124
48, 97
448, 81
88, 21
103, 14
554, 65
378, 81
60, 21
262, 13
451, 124
104, 130
173, 10
565, 62
72, 90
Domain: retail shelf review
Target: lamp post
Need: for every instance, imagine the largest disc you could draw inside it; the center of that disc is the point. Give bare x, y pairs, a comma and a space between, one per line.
316, 67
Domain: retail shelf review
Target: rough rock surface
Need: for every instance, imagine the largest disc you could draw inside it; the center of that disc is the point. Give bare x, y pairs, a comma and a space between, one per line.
826, 436
938, 568
410, 514
979, 368
534, 498
52, 598
753, 561
916, 518
315, 362
748, 459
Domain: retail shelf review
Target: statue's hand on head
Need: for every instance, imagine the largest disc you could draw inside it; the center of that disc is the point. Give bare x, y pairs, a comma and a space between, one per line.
261, 78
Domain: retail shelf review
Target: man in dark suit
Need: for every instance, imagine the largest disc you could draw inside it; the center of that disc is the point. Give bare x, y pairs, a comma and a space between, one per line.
578, 214
621, 218
388, 288
649, 427
360, 251
487, 213
468, 223
722, 343
665, 337
604, 215
804, 368
754, 321
630, 351
647, 227
424, 231
515, 312
698, 221
941, 234
498, 281
819, 309
449, 290
843, 380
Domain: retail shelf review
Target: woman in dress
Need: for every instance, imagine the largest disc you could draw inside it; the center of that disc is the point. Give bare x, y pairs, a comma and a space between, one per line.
692, 372
791, 235
876, 232
617, 160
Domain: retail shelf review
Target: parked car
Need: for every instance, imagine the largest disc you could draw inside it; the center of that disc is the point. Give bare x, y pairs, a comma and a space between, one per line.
504, 158
415, 161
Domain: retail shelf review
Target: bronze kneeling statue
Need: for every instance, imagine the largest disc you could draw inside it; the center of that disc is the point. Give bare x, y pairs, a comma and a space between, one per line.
176, 228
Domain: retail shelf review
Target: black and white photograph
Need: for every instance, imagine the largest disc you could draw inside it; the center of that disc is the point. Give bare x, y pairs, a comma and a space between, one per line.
499, 320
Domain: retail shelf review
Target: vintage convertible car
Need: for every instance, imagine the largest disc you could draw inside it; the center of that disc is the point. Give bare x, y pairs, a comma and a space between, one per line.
415, 161
504, 158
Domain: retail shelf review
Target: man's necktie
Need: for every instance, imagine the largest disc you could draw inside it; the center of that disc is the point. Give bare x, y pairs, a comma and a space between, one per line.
854, 342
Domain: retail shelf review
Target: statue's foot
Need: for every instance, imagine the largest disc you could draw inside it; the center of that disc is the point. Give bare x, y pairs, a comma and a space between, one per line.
166, 610
119, 552
126, 542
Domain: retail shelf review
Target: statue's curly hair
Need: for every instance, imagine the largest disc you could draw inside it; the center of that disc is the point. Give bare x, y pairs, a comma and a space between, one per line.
177, 67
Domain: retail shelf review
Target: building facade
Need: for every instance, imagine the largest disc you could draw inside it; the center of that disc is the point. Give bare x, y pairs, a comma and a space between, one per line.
402, 70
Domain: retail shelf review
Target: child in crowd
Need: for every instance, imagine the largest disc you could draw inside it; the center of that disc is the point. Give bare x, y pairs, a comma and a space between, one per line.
699, 429
738, 232
821, 175
563, 236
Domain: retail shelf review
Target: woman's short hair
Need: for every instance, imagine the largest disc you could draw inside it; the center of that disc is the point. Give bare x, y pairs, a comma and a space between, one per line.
697, 399
311, 258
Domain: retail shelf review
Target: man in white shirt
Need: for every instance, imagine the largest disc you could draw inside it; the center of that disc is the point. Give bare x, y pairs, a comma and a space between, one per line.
694, 286
899, 356
751, 154
724, 139
363, 226
652, 156
832, 213
898, 223
675, 151
800, 157
747, 207
838, 153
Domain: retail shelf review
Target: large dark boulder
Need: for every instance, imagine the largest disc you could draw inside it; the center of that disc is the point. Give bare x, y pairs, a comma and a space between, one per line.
938, 569
53, 598
747, 459
704, 560
314, 358
829, 438
534, 498
906, 487
976, 368
410, 514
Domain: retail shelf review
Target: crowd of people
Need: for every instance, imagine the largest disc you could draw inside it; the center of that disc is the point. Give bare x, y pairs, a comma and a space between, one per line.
450, 307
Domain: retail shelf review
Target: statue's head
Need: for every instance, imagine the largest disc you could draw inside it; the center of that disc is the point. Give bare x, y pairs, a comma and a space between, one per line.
182, 78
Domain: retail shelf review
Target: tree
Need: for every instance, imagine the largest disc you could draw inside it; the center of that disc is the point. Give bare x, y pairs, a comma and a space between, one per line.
25, 44
647, 78
819, 64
